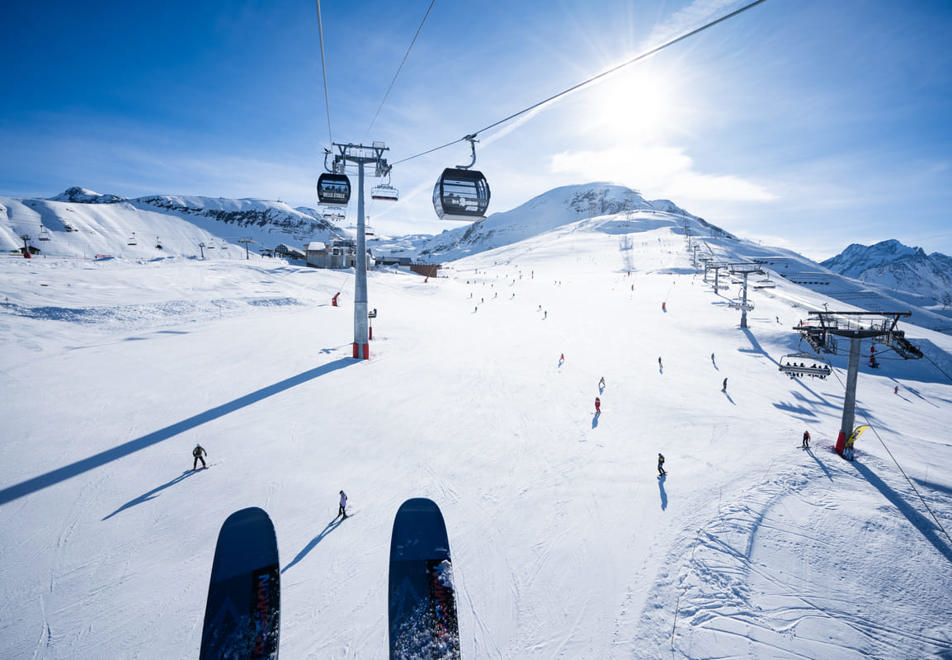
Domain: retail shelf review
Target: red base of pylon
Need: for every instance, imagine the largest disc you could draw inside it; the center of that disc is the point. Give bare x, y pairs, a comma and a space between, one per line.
840, 443
370, 333
358, 355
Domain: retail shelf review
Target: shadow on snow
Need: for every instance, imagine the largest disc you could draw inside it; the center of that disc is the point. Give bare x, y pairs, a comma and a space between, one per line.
152, 494
54, 477
331, 526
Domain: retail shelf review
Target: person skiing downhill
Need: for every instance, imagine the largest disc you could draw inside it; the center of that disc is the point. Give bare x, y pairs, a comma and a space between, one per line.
197, 454
342, 511
598, 405
601, 383
806, 440
724, 386
661, 470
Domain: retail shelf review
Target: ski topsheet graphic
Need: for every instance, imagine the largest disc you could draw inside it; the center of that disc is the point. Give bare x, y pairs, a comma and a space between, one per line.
423, 620
244, 595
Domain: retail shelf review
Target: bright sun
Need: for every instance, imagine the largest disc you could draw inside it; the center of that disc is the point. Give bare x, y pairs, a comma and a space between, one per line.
637, 105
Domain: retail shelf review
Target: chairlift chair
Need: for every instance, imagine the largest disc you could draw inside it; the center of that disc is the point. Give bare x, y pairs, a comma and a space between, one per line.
385, 192
798, 365
132, 239
43, 235
158, 243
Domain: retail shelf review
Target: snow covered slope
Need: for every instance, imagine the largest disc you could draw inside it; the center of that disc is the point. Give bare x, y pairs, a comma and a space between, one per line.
565, 543
80, 222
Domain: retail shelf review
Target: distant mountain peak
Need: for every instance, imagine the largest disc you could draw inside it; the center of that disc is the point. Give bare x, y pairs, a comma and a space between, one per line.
893, 264
79, 195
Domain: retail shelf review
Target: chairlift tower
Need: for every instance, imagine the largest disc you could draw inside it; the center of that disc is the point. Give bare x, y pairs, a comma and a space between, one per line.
361, 155
246, 242
821, 333
716, 267
745, 270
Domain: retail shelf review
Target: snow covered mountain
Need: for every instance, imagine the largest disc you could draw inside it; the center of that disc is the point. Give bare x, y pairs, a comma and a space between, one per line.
81, 222
897, 266
555, 208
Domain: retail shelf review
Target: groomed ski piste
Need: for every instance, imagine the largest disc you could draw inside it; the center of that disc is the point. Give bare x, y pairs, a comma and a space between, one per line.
565, 542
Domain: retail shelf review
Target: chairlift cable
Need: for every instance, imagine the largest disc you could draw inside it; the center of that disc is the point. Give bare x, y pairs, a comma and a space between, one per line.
327, 103
400, 68
584, 83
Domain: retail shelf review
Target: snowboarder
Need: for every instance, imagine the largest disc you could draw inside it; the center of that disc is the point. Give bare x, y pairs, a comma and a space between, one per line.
197, 454
724, 386
661, 470
342, 511
598, 405
806, 440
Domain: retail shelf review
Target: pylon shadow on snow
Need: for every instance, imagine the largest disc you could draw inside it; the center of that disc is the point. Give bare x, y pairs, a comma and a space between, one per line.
151, 495
54, 477
925, 526
331, 526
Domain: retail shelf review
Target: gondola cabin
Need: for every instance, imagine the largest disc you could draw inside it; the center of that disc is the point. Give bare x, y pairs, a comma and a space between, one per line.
461, 195
333, 189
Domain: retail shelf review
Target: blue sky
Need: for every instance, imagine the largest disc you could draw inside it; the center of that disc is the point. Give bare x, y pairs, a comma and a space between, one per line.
808, 124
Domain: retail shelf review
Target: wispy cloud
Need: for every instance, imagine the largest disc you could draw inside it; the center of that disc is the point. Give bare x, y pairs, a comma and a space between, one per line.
661, 171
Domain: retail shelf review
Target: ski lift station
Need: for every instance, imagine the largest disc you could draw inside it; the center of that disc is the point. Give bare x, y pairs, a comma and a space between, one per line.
339, 254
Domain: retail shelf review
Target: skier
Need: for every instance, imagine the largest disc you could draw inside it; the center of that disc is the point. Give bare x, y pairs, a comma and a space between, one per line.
664, 307
601, 383
659, 363
806, 440
598, 405
661, 470
712, 359
896, 390
342, 511
197, 453
724, 386
561, 358
545, 314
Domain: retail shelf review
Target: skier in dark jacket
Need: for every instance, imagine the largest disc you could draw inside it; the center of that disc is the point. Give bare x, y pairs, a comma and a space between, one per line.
661, 471
806, 440
197, 454
342, 511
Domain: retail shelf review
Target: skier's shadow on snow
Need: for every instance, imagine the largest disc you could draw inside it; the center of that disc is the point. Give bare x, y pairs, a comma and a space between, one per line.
54, 477
664, 495
925, 526
728, 397
595, 420
152, 494
331, 526
820, 463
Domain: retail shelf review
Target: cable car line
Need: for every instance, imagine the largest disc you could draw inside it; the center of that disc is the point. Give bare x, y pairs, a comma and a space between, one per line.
400, 68
584, 83
327, 102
